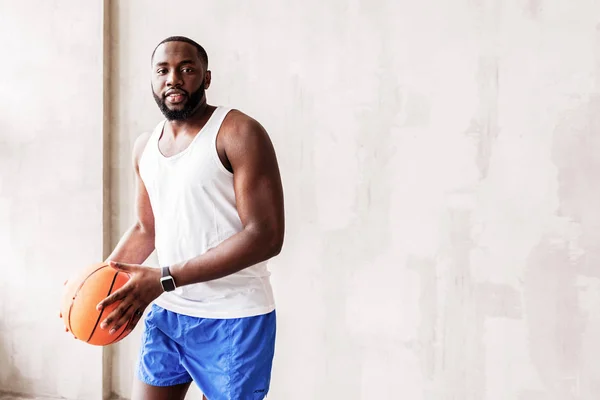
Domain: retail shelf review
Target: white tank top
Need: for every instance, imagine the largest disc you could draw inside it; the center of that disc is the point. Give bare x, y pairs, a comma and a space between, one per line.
193, 202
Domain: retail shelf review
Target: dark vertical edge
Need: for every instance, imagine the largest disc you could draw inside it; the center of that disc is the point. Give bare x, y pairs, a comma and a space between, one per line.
106, 170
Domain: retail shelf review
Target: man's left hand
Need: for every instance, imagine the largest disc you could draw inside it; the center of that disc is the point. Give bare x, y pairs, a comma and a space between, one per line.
134, 296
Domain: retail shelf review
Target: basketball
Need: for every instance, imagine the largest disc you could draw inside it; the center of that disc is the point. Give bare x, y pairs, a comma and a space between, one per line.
81, 295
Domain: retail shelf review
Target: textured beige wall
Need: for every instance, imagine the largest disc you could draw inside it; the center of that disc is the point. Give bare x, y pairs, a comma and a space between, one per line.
439, 162
50, 189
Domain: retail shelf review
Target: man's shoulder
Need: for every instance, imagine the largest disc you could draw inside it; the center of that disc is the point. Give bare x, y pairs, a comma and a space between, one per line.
236, 117
139, 145
142, 139
239, 124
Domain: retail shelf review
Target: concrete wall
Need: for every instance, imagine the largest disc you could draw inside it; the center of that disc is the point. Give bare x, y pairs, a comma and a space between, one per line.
51, 189
439, 162
440, 166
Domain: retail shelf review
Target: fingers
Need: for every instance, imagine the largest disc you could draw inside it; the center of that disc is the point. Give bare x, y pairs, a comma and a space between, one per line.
122, 321
121, 266
128, 317
117, 318
116, 296
128, 312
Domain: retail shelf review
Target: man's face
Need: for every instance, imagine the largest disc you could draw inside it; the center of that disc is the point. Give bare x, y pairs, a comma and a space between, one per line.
179, 79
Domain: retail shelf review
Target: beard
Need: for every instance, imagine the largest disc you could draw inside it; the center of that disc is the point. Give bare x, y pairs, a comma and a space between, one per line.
189, 106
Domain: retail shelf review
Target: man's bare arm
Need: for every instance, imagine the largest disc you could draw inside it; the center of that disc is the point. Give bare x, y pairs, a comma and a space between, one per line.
136, 245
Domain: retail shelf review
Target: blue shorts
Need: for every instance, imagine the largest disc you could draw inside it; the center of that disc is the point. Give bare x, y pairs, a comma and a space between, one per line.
226, 358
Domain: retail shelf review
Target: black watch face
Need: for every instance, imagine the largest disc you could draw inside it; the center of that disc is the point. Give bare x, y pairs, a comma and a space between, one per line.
168, 284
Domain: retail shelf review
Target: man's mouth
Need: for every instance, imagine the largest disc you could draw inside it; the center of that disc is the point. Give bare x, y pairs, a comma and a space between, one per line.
175, 96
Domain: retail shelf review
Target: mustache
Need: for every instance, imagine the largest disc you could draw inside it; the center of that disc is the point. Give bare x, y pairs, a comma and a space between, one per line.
175, 91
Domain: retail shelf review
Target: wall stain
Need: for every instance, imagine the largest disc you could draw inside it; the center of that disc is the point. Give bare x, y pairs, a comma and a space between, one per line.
555, 319
484, 125
533, 8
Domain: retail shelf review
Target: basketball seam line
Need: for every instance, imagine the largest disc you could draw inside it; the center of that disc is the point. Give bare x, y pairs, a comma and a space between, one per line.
77, 292
102, 312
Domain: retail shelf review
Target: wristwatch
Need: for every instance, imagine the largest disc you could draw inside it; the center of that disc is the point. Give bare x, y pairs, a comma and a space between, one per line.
166, 280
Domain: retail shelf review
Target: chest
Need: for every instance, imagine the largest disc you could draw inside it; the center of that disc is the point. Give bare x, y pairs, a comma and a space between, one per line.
169, 146
191, 171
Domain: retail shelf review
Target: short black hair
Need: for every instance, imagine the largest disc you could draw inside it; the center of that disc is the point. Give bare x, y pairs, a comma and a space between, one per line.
201, 52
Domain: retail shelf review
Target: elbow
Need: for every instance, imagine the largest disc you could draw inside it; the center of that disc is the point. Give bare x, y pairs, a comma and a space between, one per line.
269, 241
276, 245
144, 229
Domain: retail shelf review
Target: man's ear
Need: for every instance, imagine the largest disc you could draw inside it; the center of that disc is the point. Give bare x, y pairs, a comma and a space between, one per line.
207, 79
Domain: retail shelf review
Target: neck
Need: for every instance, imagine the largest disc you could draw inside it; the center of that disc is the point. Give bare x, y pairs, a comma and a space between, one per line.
193, 123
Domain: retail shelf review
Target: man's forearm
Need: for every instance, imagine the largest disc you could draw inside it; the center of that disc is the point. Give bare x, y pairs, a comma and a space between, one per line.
135, 246
240, 251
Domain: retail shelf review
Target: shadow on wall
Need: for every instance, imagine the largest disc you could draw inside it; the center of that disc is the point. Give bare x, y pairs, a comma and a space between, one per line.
13, 384
8, 371
563, 326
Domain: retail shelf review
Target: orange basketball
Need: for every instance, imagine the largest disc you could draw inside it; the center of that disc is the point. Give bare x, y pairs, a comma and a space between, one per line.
81, 295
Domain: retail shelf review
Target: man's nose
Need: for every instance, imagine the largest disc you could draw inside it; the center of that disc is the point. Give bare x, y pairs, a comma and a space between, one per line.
174, 79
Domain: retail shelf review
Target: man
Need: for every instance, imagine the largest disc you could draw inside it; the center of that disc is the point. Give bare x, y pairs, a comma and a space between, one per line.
210, 201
